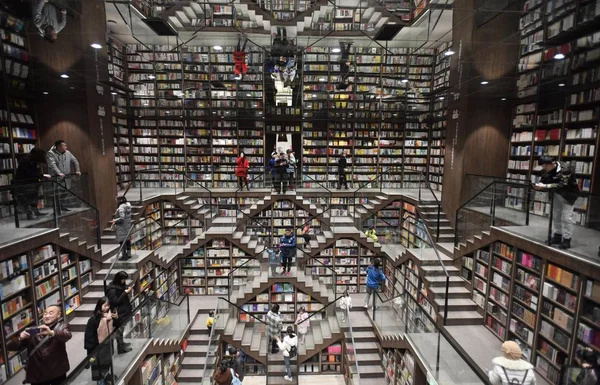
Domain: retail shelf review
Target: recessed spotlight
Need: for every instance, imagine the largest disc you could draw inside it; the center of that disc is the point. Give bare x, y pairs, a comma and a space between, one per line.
322, 79
559, 56
561, 85
46, 93
404, 80
113, 93
64, 76
449, 53
336, 50
95, 46
217, 48
484, 82
503, 99
151, 77
441, 98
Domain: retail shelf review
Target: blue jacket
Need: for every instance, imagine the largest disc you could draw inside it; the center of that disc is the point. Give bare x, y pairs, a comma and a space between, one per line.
374, 277
272, 165
288, 245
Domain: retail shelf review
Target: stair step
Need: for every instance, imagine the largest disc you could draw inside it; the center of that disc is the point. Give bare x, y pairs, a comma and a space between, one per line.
198, 362
456, 318
238, 333
456, 304
194, 376
368, 359
440, 280
453, 292
433, 270
196, 350
325, 329
366, 347
317, 335
101, 274
309, 341
362, 336
255, 343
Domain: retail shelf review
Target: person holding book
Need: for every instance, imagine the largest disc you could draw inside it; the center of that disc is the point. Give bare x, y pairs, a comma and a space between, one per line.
61, 163
239, 59
98, 328
306, 234
241, 171
588, 360
272, 167
510, 368
48, 362
118, 295
210, 321
224, 374
302, 324
375, 277
559, 179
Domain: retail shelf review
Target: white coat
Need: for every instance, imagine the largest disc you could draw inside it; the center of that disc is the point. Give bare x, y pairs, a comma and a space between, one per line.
515, 369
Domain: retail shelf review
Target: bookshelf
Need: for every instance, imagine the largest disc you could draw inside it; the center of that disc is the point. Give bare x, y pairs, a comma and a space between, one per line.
18, 133
158, 369
413, 233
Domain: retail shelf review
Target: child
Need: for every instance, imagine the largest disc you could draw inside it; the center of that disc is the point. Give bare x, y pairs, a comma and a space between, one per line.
345, 304
374, 278
302, 323
210, 321
274, 260
371, 234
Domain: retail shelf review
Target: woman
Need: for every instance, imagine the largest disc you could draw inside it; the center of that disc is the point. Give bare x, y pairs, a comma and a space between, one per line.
29, 173
306, 230
289, 343
118, 295
588, 360
223, 375
241, 171
274, 327
291, 168
302, 323
123, 225
510, 368
374, 278
98, 327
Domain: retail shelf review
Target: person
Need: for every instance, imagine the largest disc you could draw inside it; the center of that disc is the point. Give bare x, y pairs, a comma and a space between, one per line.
123, 225
291, 169
274, 327
237, 362
239, 58
306, 230
302, 324
46, 19
344, 65
281, 165
28, 174
371, 234
118, 295
49, 363
290, 341
374, 278
342, 164
61, 162
559, 178
587, 359
98, 328
272, 166
280, 43
510, 368
288, 248
210, 321
223, 375
241, 171
345, 305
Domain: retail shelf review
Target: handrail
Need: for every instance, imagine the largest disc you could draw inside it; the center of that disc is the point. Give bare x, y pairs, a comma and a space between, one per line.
210, 351
231, 276
321, 310
349, 320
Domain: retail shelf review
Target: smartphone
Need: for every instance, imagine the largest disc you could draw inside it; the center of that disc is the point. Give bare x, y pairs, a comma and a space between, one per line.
33, 331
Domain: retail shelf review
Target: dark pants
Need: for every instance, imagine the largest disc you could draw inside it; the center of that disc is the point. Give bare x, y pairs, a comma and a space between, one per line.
127, 248
342, 180
121, 345
292, 184
243, 181
243, 48
54, 381
286, 263
281, 184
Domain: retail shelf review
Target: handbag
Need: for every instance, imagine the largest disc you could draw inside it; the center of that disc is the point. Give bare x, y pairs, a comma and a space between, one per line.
235, 380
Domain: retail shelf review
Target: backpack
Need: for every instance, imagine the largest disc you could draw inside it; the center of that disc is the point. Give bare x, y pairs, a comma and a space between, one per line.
293, 351
515, 381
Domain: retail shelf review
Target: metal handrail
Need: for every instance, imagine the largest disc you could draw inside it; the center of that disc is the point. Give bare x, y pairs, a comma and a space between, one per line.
242, 310
210, 351
322, 310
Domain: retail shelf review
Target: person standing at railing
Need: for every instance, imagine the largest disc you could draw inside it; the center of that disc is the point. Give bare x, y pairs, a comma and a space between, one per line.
118, 295
98, 328
288, 250
28, 174
302, 324
281, 164
122, 224
241, 171
47, 359
342, 164
291, 168
375, 277
272, 166
559, 179
510, 368
61, 163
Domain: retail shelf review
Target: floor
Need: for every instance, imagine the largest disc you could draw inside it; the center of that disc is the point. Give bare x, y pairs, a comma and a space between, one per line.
332, 379
585, 242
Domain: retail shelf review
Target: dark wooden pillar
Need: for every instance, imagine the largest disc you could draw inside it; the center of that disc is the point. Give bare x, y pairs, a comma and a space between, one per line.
78, 109
479, 121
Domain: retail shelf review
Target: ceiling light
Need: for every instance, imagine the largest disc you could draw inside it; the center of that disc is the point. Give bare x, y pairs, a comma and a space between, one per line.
45, 92
64, 76
449, 53
484, 82
503, 99
561, 85
336, 50
217, 48
559, 56
404, 80
441, 98
95, 46
151, 77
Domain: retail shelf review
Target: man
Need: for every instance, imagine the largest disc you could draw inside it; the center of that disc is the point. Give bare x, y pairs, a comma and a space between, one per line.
288, 249
559, 179
281, 165
45, 18
344, 65
237, 358
47, 349
61, 162
342, 164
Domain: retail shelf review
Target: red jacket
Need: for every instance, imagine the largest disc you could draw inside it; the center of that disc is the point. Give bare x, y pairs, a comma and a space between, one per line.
242, 167
239, 59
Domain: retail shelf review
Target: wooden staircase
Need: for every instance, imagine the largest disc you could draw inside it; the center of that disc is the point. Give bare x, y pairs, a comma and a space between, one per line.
197, 354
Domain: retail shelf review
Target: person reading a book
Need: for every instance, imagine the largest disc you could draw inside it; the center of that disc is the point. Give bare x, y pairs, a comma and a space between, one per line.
47, 19
559, 179
118, 295
46, 354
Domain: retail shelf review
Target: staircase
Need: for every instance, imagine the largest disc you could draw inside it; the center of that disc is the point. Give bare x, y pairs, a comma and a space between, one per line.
196, 356
429, 214
366, 348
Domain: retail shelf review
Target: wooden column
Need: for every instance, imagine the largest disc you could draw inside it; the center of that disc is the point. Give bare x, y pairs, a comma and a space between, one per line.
78, 109
479, 121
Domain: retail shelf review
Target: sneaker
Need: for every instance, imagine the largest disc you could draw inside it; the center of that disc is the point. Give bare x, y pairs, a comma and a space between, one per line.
288, 273
556, 239
65, 209
566, 244
124, 350
287, 378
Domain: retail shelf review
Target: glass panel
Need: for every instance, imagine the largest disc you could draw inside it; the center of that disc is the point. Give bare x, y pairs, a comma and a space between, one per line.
77, 218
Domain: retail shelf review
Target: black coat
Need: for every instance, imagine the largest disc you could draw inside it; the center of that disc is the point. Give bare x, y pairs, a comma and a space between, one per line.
119, 301
342, 164
28, 171
103, 357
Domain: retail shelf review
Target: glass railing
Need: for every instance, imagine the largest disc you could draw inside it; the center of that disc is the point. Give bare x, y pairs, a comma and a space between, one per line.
353, 375
380, 230
212, 350
151, 319
34, 207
